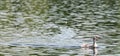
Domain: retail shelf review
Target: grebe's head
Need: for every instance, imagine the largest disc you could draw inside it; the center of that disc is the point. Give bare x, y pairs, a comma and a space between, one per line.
96, 37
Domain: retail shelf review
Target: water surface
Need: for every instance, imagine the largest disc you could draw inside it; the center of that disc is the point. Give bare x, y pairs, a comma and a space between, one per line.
58, 27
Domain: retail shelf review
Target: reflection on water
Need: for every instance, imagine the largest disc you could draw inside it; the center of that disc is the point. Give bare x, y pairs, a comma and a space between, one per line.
95, 51
62, 39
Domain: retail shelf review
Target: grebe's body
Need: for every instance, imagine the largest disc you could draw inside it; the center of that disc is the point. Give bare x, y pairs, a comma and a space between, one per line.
91, 46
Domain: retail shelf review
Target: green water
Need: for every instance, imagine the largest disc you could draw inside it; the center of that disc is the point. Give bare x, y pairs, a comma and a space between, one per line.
27, 25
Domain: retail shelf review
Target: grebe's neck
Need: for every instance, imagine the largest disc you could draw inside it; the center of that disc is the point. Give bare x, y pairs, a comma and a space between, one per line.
94, 42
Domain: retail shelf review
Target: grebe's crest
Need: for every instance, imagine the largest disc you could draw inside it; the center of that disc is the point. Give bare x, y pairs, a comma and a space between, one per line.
96, 37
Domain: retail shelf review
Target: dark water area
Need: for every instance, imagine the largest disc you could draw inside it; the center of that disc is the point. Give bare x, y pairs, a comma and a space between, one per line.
59, 27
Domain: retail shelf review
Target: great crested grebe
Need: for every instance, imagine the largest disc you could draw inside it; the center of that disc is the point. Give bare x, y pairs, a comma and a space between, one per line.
94, 45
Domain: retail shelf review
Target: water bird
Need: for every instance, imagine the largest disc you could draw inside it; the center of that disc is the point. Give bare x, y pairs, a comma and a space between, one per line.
93, 45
